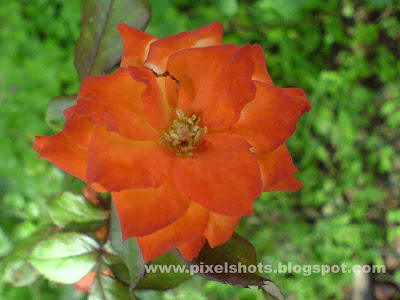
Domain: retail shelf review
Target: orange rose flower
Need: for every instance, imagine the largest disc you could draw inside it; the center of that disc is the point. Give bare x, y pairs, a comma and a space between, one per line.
186, 134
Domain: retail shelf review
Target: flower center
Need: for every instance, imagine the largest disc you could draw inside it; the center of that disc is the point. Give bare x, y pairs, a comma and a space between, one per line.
183, 134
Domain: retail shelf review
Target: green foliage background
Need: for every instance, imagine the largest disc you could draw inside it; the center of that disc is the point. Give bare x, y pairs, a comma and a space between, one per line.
344, 54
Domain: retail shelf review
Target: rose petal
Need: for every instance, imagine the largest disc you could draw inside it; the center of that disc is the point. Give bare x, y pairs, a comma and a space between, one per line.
136, 45
91, 195
187, 228
220, 229
161, 49
234, 89
192, 249
69, 112
197, 78
215, 83
144, 211
223, 175
79, 130
115, 101
98, 188
68, 156
260, 72
299, 97
288, 184
155, 105
269, 120
277, 166
171, 91
68, 149
118, 163
85, 283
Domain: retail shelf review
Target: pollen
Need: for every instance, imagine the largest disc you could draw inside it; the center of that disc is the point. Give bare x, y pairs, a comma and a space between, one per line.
183, 134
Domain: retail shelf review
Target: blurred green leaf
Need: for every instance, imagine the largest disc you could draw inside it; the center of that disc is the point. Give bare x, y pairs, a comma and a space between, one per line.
5, 244
163, 280
99, 46
228, 7
287, 8
107, 288
15, 267
70, 208
379, 3
65, 257
393, 233
271, 289
387, 155
394, 216
20, 273
371, 195
128, 250
54, 114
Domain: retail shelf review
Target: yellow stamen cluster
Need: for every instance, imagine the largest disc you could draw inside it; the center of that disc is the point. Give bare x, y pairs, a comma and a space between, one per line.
183, 135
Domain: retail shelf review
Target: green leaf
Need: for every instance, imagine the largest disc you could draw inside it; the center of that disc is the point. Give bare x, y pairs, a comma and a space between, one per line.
271, 289
107, 288
120, 271
162, 280
378, 3
5, 244
54, 113
286, 8
115, 263
393, 215
128, 250
99, 46
228, 7
153, 280
15, 267
70, 208
65, 257
20, 273
237, 251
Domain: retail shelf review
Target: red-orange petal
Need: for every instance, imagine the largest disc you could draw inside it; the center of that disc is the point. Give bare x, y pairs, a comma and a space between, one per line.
91, 195
171, 91
161, 49
300, 97
269, 120
197, 79
118, 163
144, 211
192, 249
187, 228
260, 72
155, 105
290, 184
78, 129
220, 229
68, 149
69, 112
136, 45
197, 71
98, 188
277, 170
85, 283
215, 83
115, 101
223, 175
